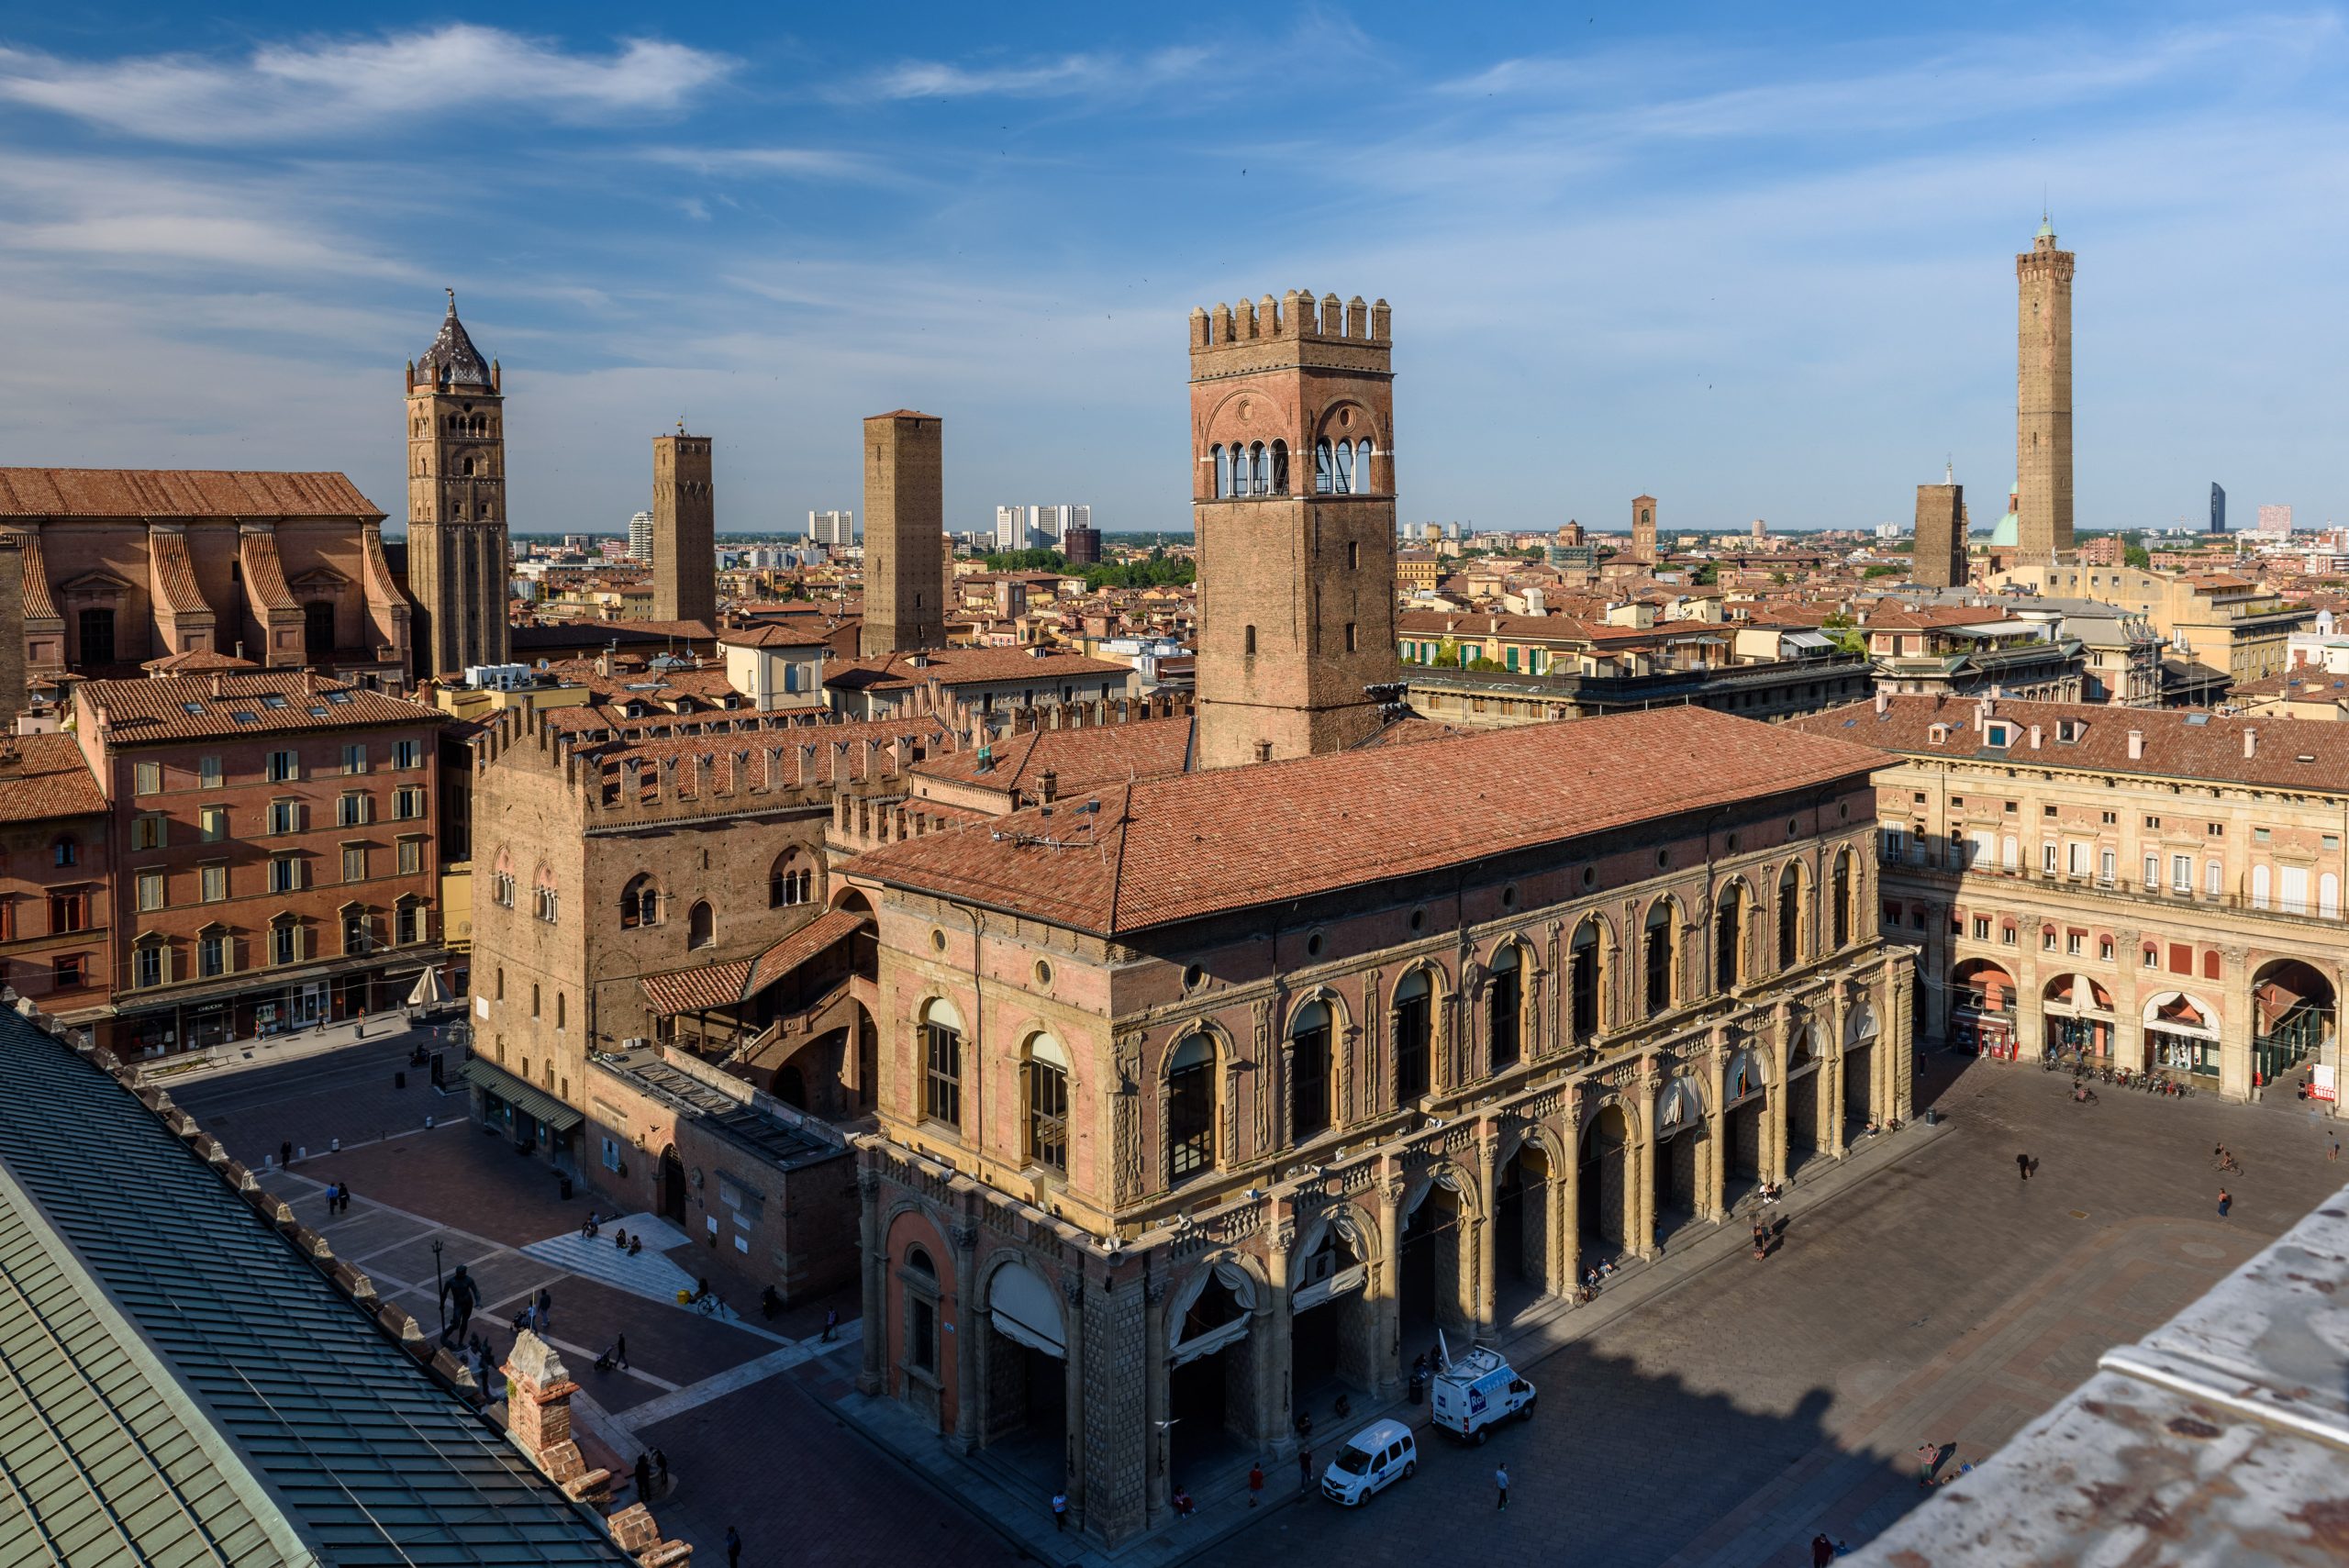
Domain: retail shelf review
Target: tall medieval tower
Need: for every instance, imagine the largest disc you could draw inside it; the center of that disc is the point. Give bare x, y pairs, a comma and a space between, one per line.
458, 567
1293, 501
2044, 398
907, 560
685, 529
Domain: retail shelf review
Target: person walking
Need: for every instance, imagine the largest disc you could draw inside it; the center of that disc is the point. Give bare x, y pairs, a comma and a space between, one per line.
661, 1464
2335, 1155
1255, 1483
546, 1309
1060, 1511
1823, 1551
2226, 1202
1305, 1470
1760, 1241
832, 1323
2022, 1163
1500, 1484
619, 1350
733, 1547
285, 1155
458, 1296
643, 1477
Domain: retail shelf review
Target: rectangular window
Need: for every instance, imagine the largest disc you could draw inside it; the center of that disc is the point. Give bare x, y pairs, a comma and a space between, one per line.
558, 1010
351, 810
67, 912
285, 942
2154, 822
147, 778
2047, 939
284, 873
942, 1073
355, 757
148, 832
147, 965
354, 862
2213, 878
212, 954
2216, 830
2007, 935
534, 998
151, 890
207, 772
1981, 927
408, 753
2108, 865
411, 856
68, 973
2153, 959
1047, 1115
2181, 874
1895, 844
2047, 857
283, 767
285, 816
213, 882
2076, 943
2104, 949
2153, 870
407, 925
212, 824
408, 804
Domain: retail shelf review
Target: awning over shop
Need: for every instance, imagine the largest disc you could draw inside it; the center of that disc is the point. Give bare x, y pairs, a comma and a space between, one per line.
493, 1079
1024, 1311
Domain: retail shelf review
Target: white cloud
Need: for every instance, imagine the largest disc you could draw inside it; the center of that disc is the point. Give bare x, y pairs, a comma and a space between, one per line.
1068, 75
333, 86
794, 162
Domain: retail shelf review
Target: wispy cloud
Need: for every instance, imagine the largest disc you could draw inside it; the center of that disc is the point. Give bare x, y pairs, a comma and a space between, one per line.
790, 162
1067, 75
338, 87
171, 218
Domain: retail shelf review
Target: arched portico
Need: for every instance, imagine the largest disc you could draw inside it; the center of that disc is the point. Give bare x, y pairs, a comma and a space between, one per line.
1982, 1010
1435, 1271
1606, 1185
2078, 1017
1805, 1093
2293, 1014
2182, 1035
1024, 1365
1214, 1358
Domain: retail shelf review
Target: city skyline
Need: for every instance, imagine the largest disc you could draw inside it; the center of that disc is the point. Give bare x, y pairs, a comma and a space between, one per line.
223, 267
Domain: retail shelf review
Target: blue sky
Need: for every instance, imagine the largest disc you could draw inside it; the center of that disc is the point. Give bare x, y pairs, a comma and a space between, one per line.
1759, 265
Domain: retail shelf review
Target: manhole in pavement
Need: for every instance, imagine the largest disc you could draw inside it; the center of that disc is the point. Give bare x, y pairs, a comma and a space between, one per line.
2201, 1249
2079, 1214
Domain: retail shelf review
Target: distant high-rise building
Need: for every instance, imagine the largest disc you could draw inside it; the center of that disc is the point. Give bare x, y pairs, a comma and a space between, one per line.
831, 528
2043, 397
1081, 545
908, 561
1760, 530
2274, 519
1940, 557
1012, 526
639, 537
2218, 508
685, 529
1643, 527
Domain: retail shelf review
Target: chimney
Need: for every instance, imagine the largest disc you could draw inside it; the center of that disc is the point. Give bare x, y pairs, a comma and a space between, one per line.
2136, 745
1050, 786
1882, 700
2249, 743
216, 683
2034, 738
538, 1416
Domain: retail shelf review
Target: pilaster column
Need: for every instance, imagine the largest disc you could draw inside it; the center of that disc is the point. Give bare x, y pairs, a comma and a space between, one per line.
1831, 1120
1272, 1339
1154, 1391
2030, 1024
1642, 1241
1715, 1174
1073, 1465
1567, 1234
1896, 1031
1487, 1287
1773, 1110
964, 1237
1388, 1284
873, 1375
2234, 1026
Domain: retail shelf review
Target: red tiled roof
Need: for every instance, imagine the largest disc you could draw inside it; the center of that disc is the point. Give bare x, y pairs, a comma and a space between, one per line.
196, 660
264, 573
774, 637
139, 712
2177, 742
38, 606
723, 985
964, 666
178, 493
1156, 851
1079, 760
175, 573
52, 779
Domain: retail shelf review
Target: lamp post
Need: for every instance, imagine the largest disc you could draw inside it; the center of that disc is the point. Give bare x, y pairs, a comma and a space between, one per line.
441, 1297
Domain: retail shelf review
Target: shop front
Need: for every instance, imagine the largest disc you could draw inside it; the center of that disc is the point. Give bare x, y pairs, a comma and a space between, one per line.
1981, 1017
526, 1116
2078, 1017
2181, 1035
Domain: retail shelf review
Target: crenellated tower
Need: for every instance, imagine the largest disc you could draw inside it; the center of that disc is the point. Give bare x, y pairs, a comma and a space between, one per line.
1293, 500
458, 569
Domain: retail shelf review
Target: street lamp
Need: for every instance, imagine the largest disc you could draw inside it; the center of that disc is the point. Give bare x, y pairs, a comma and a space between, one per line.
441, 1298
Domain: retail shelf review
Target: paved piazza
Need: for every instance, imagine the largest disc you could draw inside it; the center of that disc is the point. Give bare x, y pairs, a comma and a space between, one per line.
1710, 1411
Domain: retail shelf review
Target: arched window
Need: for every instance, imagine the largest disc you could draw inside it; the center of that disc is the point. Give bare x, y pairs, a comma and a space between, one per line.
1414, 1031
1657, 941
1790, 915
1308, 1073
1505, 1008
1222, 471
1280, 468
1729, 937
547, 900
1045, 1090
1324, 468
1362, 467
640, 901
1260, 471
791, 880
942, 1046
1582, 979
1345, 468
1838, 895
1190, 1108
701, 925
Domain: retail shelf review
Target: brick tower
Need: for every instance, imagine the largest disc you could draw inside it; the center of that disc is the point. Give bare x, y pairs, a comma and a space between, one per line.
458, 567
1644, 527
685, 529
1293, 499
2043, 397
1939, 560
906, 560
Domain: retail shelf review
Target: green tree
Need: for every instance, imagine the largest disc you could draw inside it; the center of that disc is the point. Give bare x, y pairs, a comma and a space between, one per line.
1027, 561
1845, 632
1882, 571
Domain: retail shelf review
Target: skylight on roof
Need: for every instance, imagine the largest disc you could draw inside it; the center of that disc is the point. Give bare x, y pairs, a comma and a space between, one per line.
192, 707
271, 699
338, 697
2197, 720
318, 713
245, 717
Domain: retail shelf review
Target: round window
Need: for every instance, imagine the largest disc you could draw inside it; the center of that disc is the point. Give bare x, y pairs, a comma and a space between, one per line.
1590, 876
1193, 977
1793, 826
1043, 973
1732, 843
1509, 896
1419, 919
1664, 859
1313, 945
938, 942
1843, 809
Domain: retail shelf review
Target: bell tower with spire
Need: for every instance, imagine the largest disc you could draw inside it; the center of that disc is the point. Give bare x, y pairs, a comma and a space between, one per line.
458, 567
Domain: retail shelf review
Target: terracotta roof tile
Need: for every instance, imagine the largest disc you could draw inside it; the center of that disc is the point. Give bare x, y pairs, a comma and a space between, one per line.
50, 778
38, 606
1157, 851
178, 493
964, 666
264, 573
737, 980
175, 573
1079, 760
139, 712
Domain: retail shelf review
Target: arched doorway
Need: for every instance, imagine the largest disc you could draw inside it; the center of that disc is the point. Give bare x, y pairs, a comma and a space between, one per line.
1210, 1366
1860, 1108
1982, 1010
2077, 1014
1023, 1364
1806, 1083
1680, 1152
672, 1186
1524, 1200
2181, 1035
1332, 1322
1603, 1188
1744, 1102
1432, 1278
2293, 1012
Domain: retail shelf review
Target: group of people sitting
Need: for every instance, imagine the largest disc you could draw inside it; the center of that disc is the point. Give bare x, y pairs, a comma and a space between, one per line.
592, 1226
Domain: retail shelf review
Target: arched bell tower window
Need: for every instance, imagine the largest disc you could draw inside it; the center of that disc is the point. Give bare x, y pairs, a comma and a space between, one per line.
1222, 471
1280, 468
1324, 468
1260, 471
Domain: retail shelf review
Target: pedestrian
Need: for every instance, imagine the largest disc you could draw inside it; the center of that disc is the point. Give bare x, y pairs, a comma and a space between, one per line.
2336, 1151
831, 1322
643, 1478
733, 1547
2226, 1202
619, 1350
1761, 1240
1305, 1470
1060, 1510
1823, 1551
1255, 1483
1929, 1460
1500, 1484
285, 1155
661, 1464
459, 1295
2022, 1163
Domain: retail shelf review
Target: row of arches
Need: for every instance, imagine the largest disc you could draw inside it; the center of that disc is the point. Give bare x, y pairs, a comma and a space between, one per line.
1340, 468
2176, 1026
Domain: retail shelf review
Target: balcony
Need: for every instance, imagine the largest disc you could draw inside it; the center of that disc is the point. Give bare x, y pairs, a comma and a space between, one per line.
2136, 893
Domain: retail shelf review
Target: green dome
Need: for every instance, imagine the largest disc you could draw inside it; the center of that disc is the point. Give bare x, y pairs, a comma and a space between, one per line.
2008, 531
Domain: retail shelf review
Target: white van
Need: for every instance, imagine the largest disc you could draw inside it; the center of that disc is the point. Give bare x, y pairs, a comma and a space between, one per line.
1373, 1459
1477, 1389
